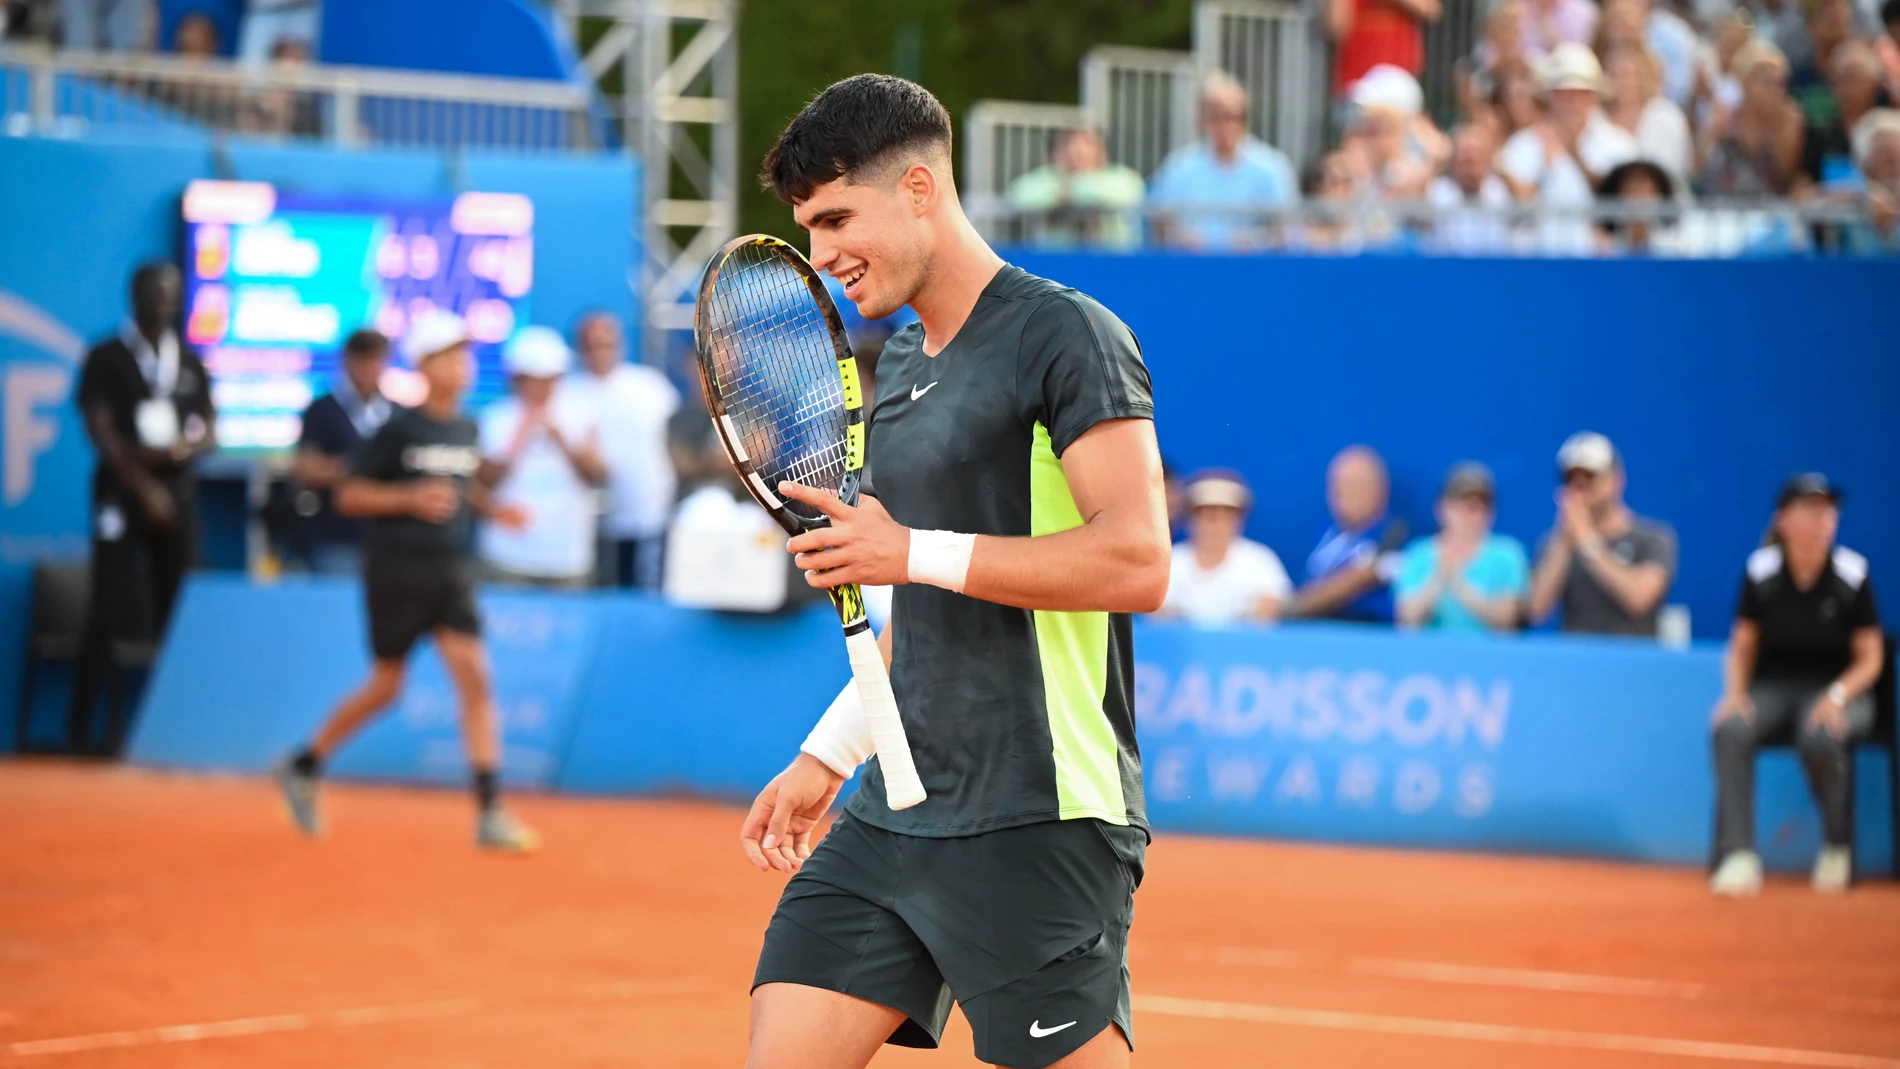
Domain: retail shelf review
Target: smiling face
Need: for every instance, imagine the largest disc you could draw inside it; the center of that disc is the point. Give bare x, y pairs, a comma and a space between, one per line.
874, 237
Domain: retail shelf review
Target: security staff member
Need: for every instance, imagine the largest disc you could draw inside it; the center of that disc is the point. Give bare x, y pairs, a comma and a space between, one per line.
145, 400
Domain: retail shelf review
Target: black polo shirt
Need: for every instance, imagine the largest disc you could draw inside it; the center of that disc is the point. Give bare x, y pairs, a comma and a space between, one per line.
414, 445
112, 377
1807, 635
1014, 716
332, 428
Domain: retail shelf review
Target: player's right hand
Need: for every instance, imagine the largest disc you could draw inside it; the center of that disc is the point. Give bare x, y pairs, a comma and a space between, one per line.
777, 831
435, 500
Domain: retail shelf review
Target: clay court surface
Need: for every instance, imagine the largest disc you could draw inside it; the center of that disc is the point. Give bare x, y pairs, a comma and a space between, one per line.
156, 920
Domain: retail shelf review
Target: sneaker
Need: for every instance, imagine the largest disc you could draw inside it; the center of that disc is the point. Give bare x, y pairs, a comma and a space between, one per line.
497, 829
300, 797
1833, 870
1738, 876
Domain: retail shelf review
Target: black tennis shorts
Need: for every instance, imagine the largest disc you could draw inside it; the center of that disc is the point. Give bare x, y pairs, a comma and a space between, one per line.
1026, 928
413, 594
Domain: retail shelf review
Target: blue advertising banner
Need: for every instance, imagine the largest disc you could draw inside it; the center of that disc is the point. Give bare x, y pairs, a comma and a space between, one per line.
1557, 745
1347, 734
250, 672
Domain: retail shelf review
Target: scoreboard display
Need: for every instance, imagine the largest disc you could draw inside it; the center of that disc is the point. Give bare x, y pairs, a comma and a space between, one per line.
276, 280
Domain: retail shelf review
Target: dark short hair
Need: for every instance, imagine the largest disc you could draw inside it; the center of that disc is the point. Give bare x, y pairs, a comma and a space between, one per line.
852, 126
1890, 12
148, 274
365, 343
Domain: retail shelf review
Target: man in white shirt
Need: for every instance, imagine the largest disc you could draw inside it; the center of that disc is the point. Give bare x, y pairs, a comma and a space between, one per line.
1219, 577
632, 404
1469, 203
1558, 161
544, 438
1217, 193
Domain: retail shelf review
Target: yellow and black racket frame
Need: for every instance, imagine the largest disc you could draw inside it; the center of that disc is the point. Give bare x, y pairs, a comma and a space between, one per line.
847, 599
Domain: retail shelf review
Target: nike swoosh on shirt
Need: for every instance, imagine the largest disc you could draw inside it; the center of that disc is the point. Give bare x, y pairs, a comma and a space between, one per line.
915, 393
1036, 1031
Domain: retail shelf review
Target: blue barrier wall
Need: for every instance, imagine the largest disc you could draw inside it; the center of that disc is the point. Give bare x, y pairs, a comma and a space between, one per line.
1717, 379
1540, 744
76, 216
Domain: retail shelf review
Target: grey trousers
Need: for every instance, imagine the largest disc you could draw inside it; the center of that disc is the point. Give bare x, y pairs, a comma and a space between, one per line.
1781, 713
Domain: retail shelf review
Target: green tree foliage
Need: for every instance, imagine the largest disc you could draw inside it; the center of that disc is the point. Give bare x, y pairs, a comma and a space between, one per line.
962, 50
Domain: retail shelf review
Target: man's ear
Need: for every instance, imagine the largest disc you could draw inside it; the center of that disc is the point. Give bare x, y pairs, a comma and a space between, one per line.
919, 188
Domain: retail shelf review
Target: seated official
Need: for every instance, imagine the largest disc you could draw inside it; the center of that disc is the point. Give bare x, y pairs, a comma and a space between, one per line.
1349, 574
1464, 578
1606, 567
1219, 577
335, 426
1803, 655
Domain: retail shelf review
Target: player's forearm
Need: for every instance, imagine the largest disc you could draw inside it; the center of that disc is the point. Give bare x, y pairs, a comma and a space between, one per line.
367, 499
1101, 566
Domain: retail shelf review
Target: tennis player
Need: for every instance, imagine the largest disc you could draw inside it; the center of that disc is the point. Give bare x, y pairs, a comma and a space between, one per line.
418, 482
1014, 497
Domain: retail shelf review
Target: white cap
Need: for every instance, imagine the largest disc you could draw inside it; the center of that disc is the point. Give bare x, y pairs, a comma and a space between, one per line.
1871, 127
1572, 66
1588, 451
538, 352
434, 331
1219, 489
1387, 86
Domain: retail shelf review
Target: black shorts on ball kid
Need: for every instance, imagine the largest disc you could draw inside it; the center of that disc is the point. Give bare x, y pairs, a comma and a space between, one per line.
411, 595
1026, 928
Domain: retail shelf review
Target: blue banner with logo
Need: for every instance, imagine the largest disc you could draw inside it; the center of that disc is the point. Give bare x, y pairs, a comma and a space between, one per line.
1542, 744
1581, 746
249, 672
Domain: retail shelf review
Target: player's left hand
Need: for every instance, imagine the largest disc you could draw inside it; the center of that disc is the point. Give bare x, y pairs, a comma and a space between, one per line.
863, 545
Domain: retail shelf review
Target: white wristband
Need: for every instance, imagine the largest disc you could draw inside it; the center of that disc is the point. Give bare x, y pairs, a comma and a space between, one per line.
841, 738
941, 558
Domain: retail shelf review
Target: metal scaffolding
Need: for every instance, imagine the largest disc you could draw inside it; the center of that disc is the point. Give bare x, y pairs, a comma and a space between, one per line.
670, 69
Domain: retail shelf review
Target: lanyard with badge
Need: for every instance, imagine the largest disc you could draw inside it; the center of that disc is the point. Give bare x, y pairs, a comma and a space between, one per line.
156, 417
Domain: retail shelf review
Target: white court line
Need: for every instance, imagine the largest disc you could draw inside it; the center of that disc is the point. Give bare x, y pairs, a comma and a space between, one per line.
1538, 979
1526, 979
300, 1022
243, 1026
1338, 1021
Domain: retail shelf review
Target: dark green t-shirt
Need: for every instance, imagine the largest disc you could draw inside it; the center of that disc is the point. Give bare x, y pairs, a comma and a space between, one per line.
412, 445
1014, 716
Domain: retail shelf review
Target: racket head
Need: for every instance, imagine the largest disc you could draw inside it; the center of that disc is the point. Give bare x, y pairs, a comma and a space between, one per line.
781, 384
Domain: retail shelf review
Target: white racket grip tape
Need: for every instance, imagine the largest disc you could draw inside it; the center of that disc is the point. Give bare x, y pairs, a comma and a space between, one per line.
902, 788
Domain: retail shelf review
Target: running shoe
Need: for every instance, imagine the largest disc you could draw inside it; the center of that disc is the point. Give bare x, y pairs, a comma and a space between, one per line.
300, 797
497, 829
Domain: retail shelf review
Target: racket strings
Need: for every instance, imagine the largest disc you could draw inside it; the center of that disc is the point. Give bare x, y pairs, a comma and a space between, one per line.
776, 371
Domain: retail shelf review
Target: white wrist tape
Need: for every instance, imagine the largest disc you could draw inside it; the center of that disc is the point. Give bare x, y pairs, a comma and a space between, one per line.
941, 558
841, 738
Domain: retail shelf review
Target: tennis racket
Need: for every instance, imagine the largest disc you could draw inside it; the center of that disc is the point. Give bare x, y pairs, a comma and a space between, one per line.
783, 391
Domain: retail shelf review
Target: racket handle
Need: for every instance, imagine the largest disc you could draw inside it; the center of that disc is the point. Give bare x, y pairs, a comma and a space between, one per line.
902, 788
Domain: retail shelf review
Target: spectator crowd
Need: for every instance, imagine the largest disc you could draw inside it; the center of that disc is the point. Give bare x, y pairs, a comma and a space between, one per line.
1629, 129
1600, 568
